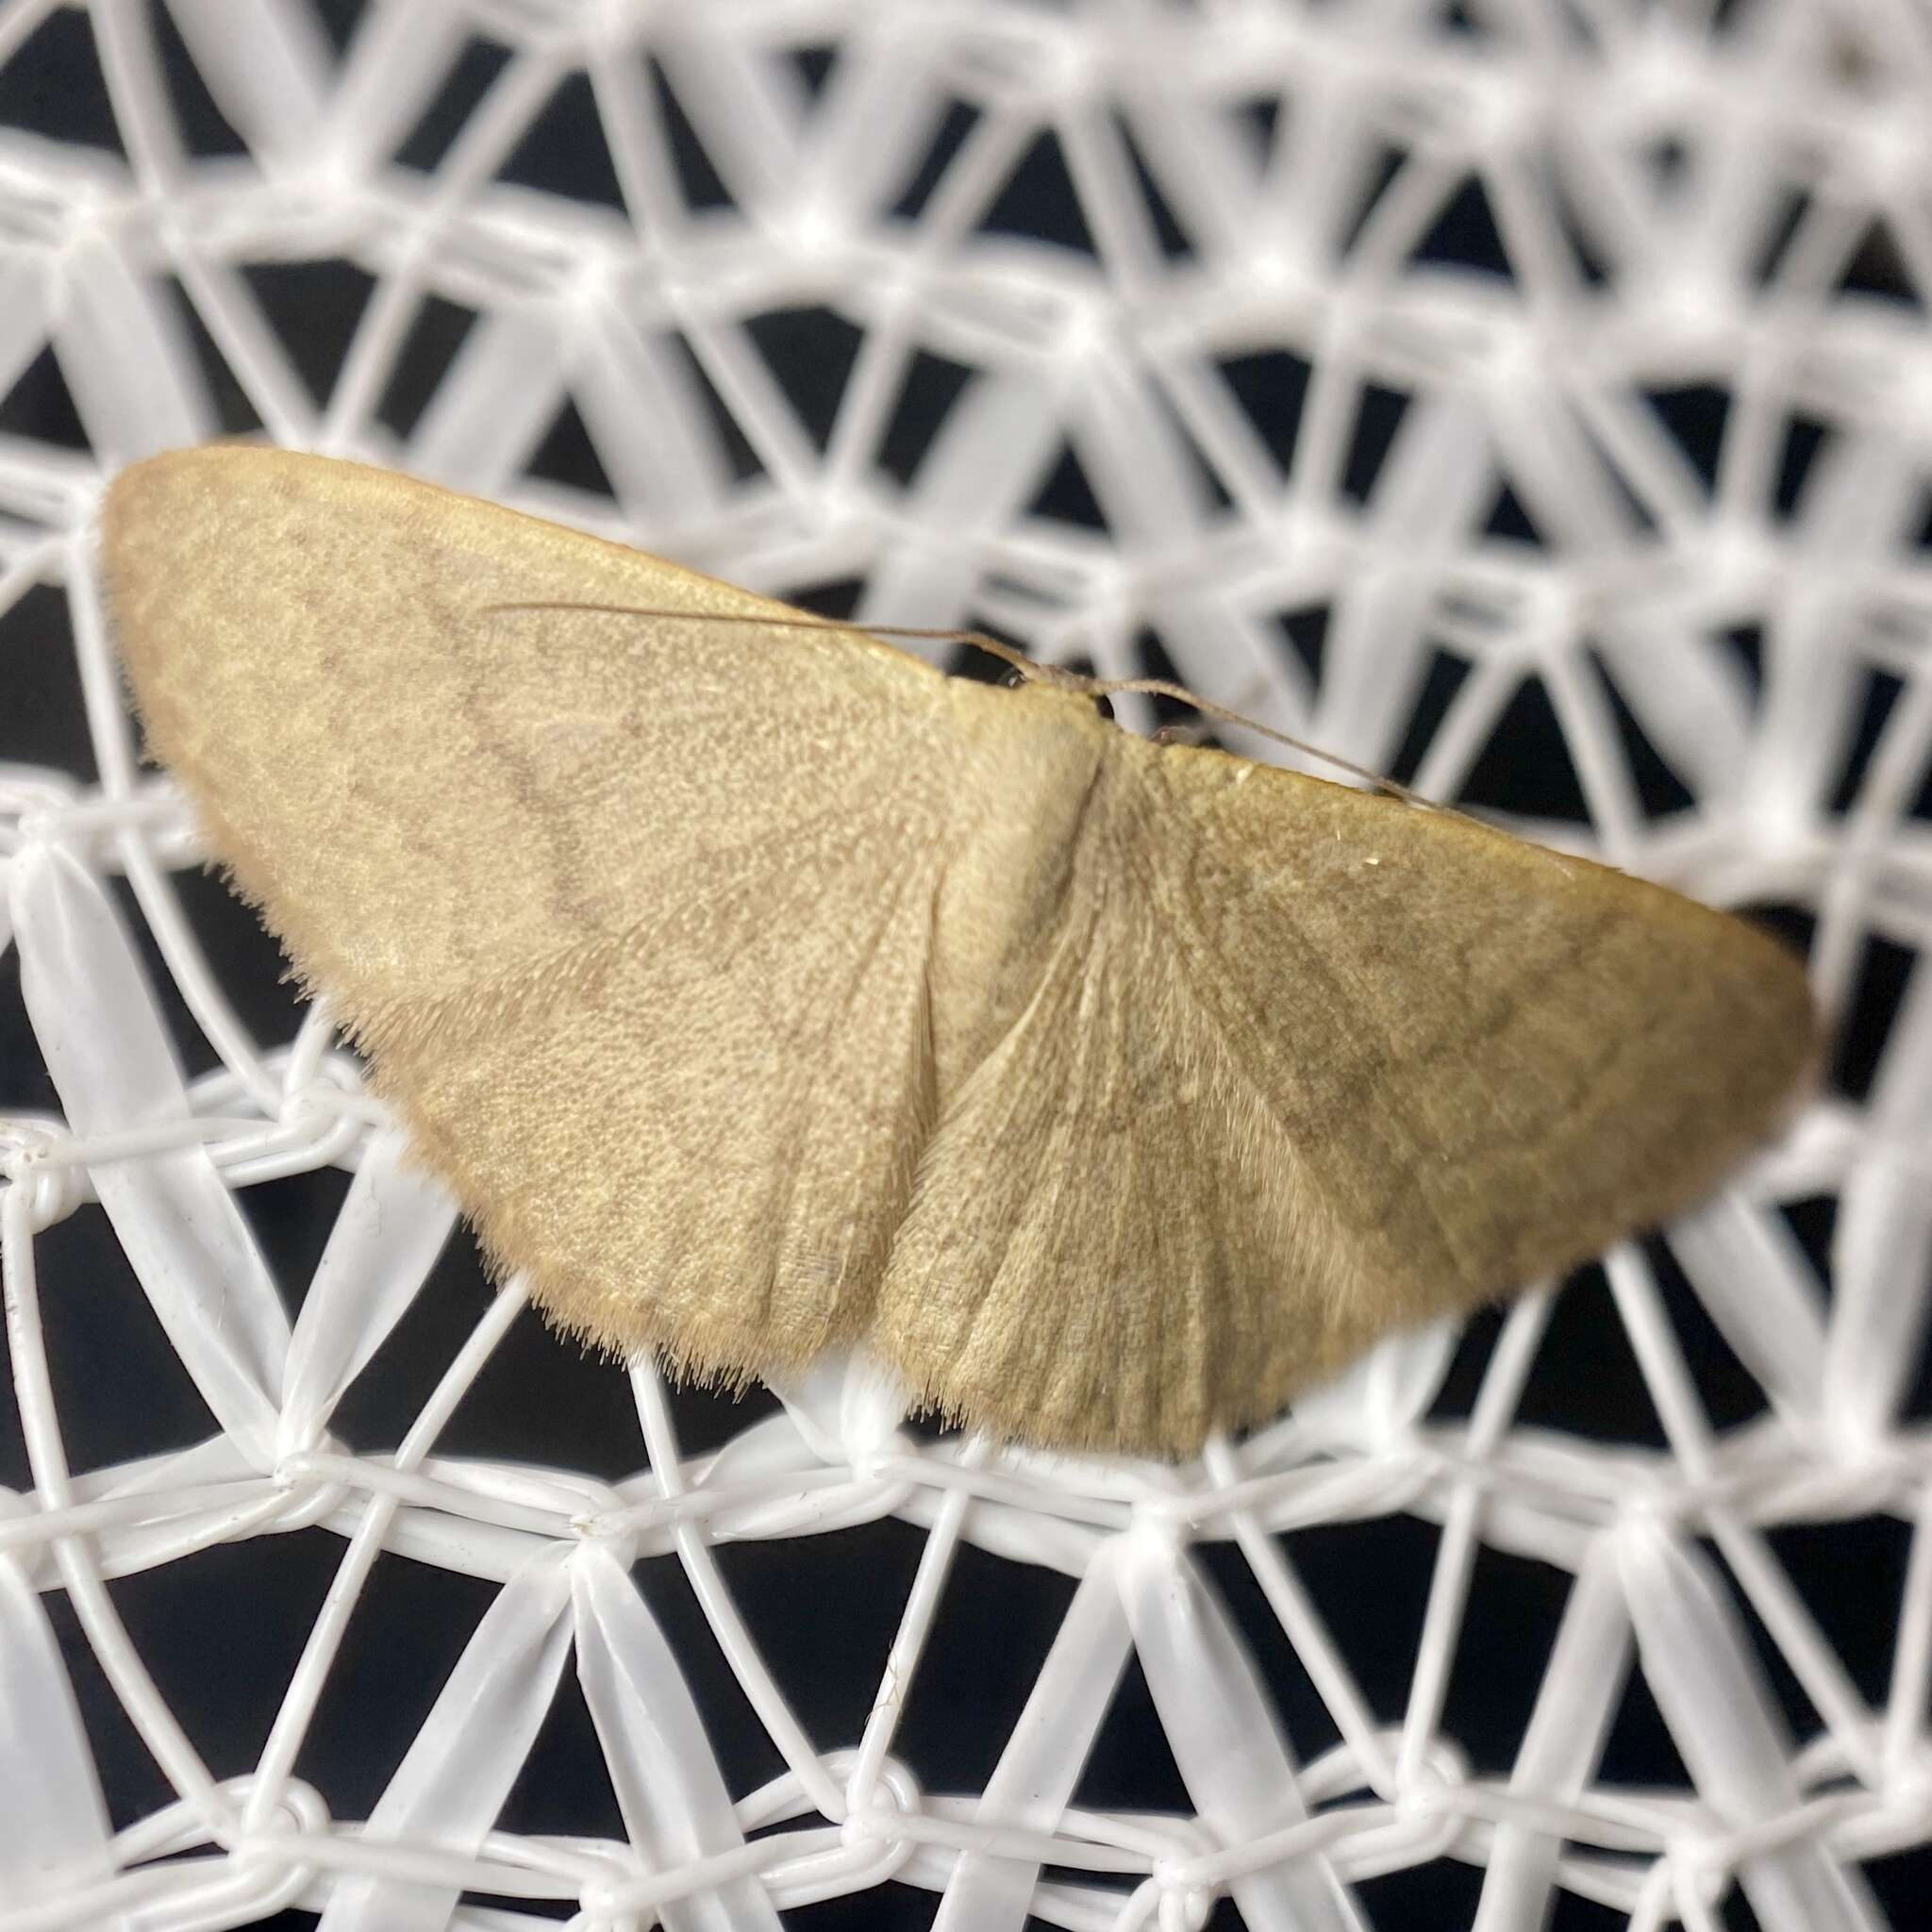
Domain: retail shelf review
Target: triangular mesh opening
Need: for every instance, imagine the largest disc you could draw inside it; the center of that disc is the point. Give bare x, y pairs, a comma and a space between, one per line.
1037, 200
562, 151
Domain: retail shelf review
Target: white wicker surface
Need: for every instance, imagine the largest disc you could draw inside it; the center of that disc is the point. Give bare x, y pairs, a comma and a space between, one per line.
1577, 344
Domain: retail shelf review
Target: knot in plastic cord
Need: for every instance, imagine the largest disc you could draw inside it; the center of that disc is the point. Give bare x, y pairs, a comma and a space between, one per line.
894, 1796
308, 1498
1700, 1870
46, 826
870, 1848
1182, 1904
32, 796
323, 1119
299, 1811
611, 1528
1645, 1513
55, 1187
1161, 1520
601, 1901
1429, 1817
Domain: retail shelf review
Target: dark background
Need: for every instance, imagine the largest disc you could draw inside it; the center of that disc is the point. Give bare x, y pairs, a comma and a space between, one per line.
222, 1630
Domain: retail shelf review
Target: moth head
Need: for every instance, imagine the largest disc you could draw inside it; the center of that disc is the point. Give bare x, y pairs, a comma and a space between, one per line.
1061, 680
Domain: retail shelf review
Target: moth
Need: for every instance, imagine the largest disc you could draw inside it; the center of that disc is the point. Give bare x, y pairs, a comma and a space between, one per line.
760, 988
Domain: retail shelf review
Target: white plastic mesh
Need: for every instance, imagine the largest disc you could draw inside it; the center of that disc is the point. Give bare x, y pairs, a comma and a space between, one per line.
1534, 400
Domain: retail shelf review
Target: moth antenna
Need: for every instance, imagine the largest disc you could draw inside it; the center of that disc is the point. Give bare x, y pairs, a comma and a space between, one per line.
1033, 672
1160, 687
1392, 788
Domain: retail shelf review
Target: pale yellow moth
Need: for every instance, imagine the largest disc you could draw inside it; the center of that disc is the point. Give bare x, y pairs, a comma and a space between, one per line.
762, 988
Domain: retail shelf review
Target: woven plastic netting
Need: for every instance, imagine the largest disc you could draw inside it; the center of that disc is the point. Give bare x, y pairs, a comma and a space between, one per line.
1531, 401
